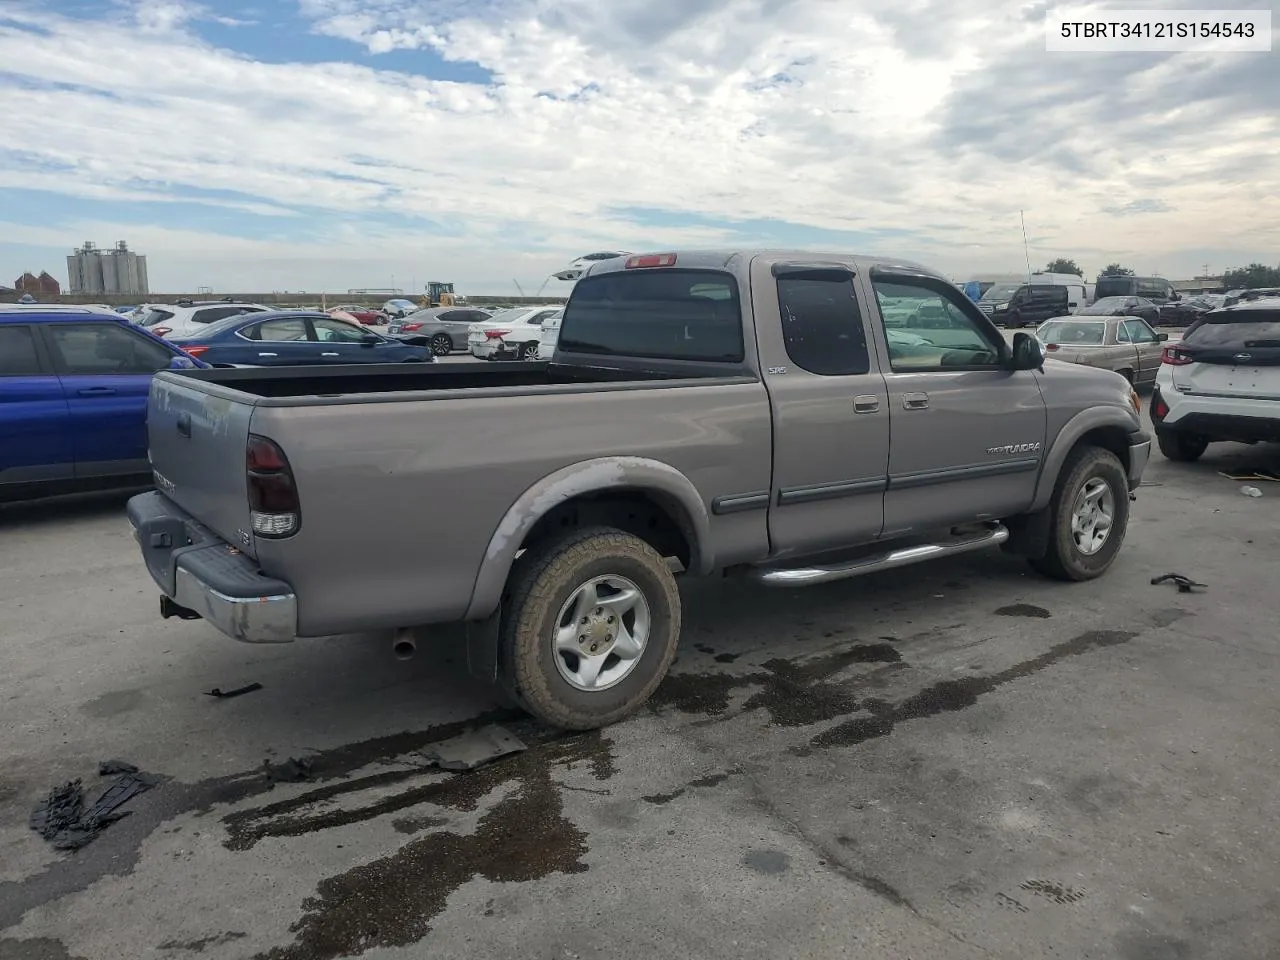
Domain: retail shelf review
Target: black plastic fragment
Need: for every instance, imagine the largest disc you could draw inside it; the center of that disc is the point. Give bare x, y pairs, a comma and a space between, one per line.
62, 819
238, 691
108, 768
1185, 584
292, 770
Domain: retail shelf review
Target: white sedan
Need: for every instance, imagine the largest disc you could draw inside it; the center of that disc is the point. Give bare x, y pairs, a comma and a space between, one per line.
513, 334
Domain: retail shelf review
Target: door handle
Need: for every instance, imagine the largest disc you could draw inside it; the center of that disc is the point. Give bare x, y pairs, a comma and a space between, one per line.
97, 392
328, 354
268, 354
915, 401
866, 404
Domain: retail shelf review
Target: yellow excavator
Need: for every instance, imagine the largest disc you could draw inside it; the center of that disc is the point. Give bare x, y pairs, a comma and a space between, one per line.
441, 295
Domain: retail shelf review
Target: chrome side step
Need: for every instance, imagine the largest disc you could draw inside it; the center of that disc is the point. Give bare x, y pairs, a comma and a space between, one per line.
902, 557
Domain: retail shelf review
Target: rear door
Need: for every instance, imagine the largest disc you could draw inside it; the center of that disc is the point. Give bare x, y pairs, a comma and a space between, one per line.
830, 407
106, 369
968, 434
1236, 354
35, 422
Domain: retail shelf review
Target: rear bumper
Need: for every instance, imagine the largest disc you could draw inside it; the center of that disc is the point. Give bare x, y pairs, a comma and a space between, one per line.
205, 576
1242, 419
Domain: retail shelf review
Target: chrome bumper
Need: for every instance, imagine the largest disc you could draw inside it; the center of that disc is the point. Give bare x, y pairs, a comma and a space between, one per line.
269, 619
203, 576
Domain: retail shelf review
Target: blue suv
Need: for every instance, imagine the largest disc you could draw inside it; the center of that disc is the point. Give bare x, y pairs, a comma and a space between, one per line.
73, 400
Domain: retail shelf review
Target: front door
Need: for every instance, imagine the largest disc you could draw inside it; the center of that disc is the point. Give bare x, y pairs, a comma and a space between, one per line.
1148, 348
106, 371
968, 433
830, 419
273, 343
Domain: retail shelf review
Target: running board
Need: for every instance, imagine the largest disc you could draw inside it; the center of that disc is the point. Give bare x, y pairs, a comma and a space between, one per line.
905, 556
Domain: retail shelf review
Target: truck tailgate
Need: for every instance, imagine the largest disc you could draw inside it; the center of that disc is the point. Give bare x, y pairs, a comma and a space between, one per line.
197, 434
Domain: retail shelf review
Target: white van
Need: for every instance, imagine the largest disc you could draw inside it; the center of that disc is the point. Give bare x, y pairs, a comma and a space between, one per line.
1077, 294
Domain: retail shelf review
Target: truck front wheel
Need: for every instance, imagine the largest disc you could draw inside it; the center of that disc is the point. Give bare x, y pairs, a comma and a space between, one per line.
1088, 516
589, 628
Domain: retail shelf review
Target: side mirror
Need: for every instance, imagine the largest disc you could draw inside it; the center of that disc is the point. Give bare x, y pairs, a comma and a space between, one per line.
369, 339
1028, 353
181, 363
1161, 337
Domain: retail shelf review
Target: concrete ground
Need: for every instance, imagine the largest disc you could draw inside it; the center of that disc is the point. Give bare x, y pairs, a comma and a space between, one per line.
958, 760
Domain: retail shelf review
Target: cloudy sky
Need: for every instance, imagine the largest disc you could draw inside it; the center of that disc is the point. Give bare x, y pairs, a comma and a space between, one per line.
327, 144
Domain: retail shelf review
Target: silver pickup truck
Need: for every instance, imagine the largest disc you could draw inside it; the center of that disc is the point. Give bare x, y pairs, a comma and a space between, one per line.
794, 418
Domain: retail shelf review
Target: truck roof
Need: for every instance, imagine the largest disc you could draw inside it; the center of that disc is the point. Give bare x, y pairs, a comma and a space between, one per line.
722, 259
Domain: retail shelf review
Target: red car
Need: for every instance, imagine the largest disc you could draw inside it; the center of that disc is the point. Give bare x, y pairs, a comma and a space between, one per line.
360, 314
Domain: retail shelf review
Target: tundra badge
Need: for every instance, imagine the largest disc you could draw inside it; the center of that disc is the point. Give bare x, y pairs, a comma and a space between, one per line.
1014, 448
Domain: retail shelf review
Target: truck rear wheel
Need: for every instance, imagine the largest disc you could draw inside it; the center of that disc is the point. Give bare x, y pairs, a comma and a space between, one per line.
589, 628
1088, 516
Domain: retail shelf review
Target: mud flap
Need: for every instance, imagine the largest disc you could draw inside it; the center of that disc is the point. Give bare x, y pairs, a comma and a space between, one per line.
1029, 534
482, 647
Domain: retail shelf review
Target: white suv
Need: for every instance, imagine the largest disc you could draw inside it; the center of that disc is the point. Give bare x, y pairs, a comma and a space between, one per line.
1221, 381
187, 317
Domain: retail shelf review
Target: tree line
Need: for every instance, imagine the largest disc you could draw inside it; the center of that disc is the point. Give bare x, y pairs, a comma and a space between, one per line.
1238, 278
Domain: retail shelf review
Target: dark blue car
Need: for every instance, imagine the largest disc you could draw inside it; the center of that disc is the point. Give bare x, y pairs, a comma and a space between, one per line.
296, 337
73, 400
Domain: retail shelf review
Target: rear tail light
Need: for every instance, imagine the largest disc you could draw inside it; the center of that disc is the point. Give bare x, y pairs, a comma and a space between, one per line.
496, 334
1159, 409
273, 496
1052, 346
162, 331
411, 326
1174, 357
194, 351
651, 260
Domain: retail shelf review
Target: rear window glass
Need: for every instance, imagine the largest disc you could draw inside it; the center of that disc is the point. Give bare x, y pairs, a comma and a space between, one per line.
666, 314
1086, 334
153, 317
17, 352
1264, 331
1114, 287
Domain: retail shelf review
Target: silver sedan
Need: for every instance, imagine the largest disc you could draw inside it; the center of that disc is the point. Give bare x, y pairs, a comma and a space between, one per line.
1125, 345
444, 328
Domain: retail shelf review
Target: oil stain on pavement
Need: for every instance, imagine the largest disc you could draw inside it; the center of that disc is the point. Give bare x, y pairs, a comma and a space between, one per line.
392, 901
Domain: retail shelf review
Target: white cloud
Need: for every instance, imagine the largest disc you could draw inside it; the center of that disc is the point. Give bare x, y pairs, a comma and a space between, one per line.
907, 115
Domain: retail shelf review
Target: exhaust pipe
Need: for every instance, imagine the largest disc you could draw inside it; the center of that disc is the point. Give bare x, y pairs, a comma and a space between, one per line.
403, 645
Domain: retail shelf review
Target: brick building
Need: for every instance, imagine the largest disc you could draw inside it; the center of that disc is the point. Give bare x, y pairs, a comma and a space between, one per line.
43, 285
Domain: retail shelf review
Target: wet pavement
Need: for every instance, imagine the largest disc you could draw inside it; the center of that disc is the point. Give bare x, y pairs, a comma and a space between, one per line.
952, 760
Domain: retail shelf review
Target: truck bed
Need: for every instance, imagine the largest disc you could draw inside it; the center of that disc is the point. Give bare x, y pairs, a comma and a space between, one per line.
347, 380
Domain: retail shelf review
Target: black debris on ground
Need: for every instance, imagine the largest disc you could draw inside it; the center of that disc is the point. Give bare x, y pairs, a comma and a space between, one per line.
108, 768
474, 748
221, 694
1185, 584
291, 770
63, 820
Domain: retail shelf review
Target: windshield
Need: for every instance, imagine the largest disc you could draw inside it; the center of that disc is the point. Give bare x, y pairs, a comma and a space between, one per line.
510, 315
1089, 334
1104, 307
1114, 286
154, 316
1001, 291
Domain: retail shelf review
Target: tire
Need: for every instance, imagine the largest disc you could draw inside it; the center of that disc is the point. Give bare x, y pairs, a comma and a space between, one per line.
542, 585
1064, 558
529, 351
1181, 447
441, 345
